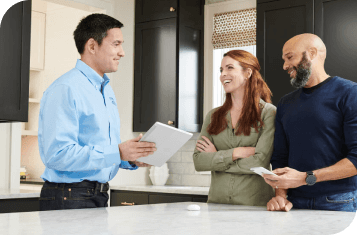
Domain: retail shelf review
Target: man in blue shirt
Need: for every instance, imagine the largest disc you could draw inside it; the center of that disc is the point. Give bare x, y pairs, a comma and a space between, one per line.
79, 124
315, 142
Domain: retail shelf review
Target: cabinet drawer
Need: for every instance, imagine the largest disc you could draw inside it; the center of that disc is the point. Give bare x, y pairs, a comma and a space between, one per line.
154, 199
149, 10
123, 198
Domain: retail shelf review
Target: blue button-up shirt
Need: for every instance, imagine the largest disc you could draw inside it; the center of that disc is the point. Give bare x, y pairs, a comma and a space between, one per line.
79, 128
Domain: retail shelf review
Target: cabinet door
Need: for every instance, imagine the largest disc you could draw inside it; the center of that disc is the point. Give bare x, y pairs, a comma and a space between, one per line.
190, 92
277, 22
154, 199
128, 198
154, 74
15, 62
336, 25
19, 205
148, 10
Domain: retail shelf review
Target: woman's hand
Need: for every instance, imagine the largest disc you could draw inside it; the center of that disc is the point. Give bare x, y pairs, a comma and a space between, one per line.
243, 152
205, 145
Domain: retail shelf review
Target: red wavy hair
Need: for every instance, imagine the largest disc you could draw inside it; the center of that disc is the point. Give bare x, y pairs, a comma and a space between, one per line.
255, 89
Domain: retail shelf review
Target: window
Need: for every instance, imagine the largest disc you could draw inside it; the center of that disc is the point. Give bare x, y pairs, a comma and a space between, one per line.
234, 30
218, 91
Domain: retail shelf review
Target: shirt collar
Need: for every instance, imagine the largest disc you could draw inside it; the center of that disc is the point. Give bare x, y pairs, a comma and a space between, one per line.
228, 115
92, 75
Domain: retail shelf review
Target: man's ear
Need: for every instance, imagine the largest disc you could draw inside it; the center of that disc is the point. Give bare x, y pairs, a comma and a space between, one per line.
312, 51
90, 46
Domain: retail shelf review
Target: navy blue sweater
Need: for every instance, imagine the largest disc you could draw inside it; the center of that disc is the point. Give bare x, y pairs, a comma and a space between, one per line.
316, 128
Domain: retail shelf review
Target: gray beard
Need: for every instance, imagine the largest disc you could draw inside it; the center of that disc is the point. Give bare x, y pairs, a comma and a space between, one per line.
303, 73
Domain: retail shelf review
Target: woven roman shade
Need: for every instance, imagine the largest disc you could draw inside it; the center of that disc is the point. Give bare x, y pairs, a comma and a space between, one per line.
234, 29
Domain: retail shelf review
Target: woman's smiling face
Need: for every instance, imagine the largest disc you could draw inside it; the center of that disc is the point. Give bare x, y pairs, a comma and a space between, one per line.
233, 76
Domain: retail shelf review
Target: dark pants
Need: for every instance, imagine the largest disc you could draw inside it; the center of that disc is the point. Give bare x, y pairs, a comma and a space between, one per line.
86, 194
336, 202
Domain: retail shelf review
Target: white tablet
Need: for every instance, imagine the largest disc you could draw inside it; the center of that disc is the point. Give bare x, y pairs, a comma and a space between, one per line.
168, 141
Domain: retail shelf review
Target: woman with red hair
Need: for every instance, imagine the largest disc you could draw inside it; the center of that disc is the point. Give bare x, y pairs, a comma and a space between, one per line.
238, 135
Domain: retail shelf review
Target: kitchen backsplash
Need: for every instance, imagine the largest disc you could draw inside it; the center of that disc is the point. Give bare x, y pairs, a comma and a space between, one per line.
182, 170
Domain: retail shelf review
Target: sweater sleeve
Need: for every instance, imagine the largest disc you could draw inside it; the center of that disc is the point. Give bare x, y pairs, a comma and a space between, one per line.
279, 158
263, 148
217, 161
349, 109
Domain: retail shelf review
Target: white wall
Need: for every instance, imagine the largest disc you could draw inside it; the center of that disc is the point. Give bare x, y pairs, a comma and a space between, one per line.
4, 154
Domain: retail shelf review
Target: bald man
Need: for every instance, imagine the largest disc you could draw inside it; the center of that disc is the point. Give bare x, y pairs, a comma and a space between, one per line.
315, 142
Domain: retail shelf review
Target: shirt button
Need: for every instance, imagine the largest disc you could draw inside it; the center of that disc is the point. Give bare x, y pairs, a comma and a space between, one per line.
231, 179
230, 197
113, 164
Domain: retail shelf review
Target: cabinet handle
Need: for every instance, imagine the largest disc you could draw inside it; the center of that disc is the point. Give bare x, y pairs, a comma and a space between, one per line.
170, 122
128, 203
172, 9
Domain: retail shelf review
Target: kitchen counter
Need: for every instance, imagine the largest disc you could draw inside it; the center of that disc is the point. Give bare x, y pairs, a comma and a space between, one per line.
164, 189
34, 190
143, 188
38, 181
174, 218
19, 193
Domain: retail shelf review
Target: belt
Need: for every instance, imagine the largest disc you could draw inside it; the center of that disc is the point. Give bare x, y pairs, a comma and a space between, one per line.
102, 187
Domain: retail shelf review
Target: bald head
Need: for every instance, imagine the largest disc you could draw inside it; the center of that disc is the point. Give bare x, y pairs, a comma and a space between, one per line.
306, 42
304, 58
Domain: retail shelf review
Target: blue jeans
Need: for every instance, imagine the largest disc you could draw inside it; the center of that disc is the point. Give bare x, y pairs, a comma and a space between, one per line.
86, 194
336, 202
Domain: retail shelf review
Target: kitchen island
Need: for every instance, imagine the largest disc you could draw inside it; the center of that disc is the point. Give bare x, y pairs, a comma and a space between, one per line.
174, 218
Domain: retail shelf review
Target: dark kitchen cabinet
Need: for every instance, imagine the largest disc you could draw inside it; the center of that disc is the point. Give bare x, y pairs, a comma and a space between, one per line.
277, 22
155, 83
19, 205
334, 21
128, 198
336, 25
147, 10
168, 74
15, 62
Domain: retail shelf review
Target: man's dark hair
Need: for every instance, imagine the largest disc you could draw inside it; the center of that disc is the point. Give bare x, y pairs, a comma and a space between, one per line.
94, 26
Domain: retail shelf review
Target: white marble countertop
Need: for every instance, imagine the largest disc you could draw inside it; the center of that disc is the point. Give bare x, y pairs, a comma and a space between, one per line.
19, 193
174, 218
164, 189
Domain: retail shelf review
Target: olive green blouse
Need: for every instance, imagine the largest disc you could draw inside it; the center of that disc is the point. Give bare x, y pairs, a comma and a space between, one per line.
232, 182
